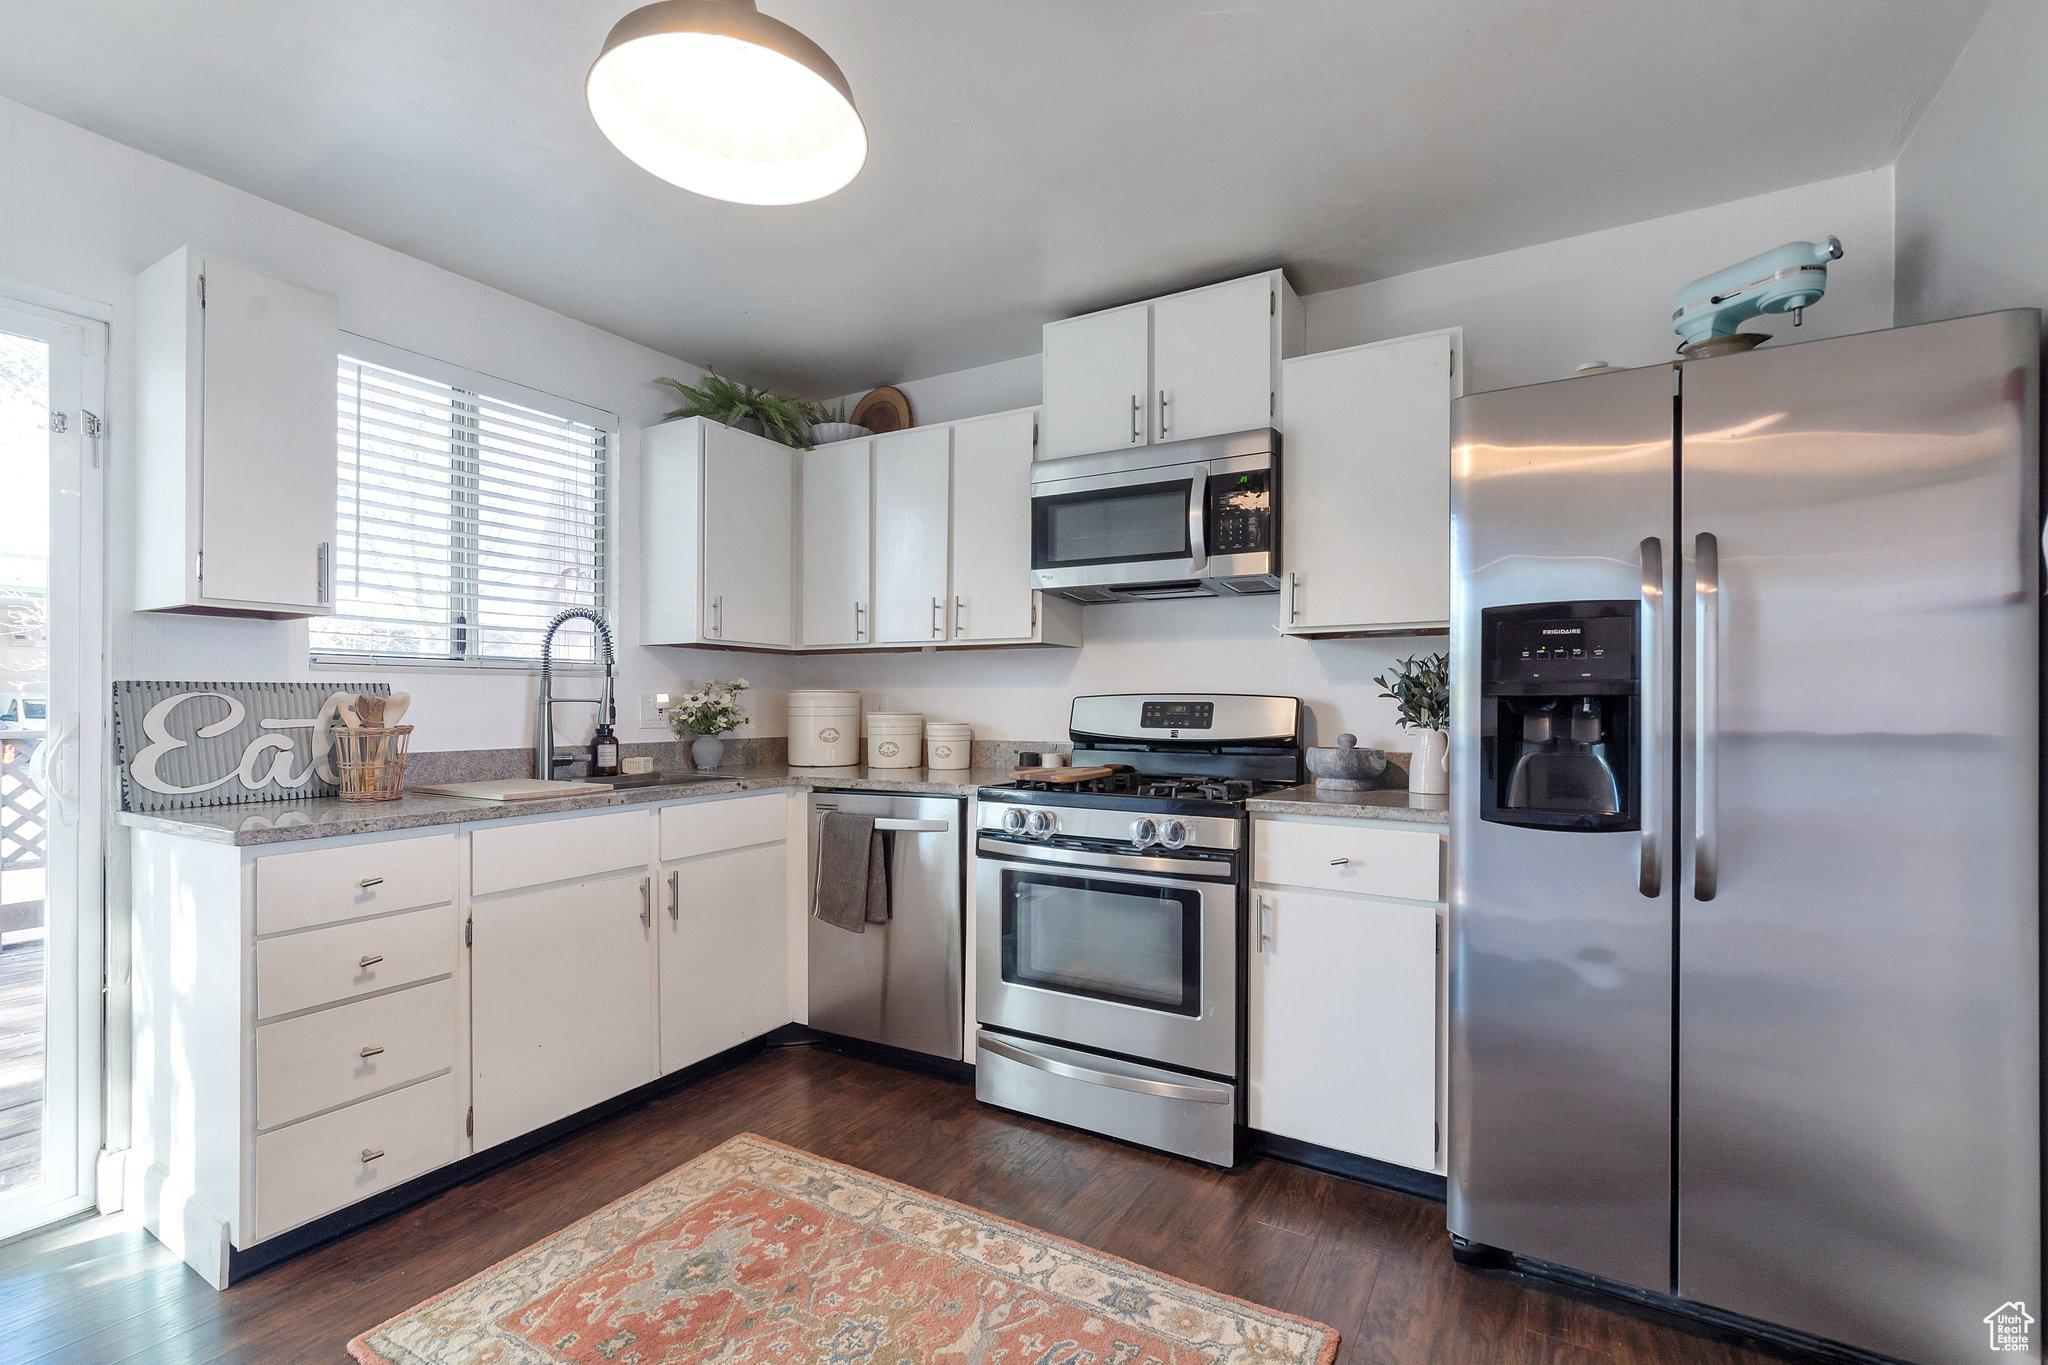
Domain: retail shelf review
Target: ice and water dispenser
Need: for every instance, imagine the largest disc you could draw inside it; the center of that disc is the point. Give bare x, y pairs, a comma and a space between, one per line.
1560, 716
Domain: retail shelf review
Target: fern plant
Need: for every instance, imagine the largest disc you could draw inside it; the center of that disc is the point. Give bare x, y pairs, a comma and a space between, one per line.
1421, 687
720, 399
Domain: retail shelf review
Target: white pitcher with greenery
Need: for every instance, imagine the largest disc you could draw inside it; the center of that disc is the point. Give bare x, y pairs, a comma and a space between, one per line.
703, 713
1421, 688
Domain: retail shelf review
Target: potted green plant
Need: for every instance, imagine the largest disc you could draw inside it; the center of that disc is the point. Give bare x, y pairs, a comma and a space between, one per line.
830, 424
703, 713
1420, 687
776, 416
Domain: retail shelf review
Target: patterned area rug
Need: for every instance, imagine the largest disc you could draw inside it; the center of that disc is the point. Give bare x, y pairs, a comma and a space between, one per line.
757, 1252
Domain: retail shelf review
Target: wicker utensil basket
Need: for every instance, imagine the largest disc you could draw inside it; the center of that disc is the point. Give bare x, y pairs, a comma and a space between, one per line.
369, 761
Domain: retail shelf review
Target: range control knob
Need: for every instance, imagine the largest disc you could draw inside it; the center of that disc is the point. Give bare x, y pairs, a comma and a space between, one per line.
1175, 834
1013, 819
1144, 831
1040, 824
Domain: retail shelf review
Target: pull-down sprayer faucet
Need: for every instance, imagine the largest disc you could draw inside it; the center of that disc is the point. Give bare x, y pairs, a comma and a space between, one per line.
544, 760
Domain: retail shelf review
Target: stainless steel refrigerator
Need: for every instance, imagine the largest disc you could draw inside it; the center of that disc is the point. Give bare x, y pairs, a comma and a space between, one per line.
1745, 909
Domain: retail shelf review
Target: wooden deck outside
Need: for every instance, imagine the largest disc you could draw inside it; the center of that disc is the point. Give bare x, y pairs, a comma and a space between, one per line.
21, 1063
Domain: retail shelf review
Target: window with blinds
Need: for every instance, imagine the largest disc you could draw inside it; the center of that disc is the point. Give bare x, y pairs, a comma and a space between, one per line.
466, 522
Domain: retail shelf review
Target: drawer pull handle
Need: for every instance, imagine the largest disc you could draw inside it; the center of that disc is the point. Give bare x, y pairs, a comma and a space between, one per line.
370, 960
370, 1051
1340, 862
368, 882
370, 1154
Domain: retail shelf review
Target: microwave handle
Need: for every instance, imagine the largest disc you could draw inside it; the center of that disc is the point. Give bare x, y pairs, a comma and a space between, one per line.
1198, 519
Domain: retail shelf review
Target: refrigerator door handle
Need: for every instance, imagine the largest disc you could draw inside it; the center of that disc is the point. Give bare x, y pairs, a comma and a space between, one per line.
1655, 758
1706, 600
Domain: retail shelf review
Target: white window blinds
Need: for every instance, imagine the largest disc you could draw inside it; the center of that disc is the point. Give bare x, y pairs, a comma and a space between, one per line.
465, 523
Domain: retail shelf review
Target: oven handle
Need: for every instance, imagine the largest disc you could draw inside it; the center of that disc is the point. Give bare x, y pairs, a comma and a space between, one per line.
1172, 868
1165, 1090
1198, 508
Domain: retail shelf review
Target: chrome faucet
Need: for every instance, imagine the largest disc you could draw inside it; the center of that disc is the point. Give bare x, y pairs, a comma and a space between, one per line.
544, 761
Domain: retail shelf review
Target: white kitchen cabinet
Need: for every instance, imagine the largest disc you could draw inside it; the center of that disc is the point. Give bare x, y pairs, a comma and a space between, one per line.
1198, 363
1365, 511
992, 596
1344, 999
834, 518
724, 952
718, 544
235, 439
561, 1001
1097, 371
913, 520
1215, 358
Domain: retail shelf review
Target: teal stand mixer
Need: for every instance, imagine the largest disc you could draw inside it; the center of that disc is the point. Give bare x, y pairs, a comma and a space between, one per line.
1711, 310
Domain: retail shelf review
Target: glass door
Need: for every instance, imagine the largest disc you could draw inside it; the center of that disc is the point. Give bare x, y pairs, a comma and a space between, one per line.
52, 616
1128, 942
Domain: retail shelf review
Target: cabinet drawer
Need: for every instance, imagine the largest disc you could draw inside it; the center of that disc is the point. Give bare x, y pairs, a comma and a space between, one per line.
1353, 858
321, 966
316, 1061
717, 826
507, 857
340, 1158
300, 890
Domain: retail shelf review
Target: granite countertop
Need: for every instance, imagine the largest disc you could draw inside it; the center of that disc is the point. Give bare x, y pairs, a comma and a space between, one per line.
1399, 804
277, 822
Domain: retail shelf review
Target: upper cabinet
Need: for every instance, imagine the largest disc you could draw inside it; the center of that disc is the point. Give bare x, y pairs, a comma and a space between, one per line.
235, 440
913, 536
992, 597
719, 550
834, 515
1198, 363
1365, 501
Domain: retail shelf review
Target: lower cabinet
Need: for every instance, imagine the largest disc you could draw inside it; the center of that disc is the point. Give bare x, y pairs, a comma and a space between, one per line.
1344, 1005
724, 952
561, 1001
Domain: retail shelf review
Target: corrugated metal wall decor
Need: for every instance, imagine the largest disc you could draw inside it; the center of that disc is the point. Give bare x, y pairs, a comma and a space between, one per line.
187, 744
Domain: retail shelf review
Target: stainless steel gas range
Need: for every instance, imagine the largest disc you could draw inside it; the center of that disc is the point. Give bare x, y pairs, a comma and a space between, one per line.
1110, 921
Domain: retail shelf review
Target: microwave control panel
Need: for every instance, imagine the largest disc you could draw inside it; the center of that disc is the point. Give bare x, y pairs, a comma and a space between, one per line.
1240, 519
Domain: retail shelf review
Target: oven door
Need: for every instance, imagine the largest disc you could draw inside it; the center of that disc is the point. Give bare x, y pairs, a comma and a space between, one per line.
1096, 953
1128, 527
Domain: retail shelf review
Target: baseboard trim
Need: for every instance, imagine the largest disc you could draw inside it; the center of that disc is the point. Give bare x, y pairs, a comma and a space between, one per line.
945, 1068
243, 1262
1365, 1170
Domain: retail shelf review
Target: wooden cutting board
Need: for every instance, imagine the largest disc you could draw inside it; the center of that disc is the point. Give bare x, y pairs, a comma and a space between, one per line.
1065, 777
512, 789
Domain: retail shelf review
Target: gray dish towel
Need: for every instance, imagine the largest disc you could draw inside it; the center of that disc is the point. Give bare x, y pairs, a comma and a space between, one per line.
853, 873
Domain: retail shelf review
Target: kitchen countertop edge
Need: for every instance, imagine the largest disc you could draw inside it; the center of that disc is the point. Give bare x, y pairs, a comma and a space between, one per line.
282, 822
1402, 805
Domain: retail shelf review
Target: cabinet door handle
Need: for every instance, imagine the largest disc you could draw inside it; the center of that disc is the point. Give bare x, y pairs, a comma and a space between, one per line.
1162, 414
1259, 909
370, 960
370, 1154
1340, 862
959, 611
675, 897
647, 902
1137, 408
1293, 597
938, 618
320, 568
368, 882
718, 617
859, 610
371, 1051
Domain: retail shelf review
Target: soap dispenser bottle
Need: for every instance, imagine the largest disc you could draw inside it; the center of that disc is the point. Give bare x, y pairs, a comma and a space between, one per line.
604, 752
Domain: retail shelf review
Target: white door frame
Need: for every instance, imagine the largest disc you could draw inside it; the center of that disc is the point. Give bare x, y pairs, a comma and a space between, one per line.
76, 762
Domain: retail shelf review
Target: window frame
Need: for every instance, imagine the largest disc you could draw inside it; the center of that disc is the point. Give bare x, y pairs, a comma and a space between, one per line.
476, 382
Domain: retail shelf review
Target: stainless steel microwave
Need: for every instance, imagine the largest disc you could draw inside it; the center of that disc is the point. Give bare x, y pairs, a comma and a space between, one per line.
1179, 519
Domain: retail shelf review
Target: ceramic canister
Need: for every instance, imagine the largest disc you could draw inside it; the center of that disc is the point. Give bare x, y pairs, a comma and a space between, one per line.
895, 739
824, 729
947, 744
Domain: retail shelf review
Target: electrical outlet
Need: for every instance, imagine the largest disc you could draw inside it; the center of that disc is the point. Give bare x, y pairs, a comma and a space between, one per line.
654, 710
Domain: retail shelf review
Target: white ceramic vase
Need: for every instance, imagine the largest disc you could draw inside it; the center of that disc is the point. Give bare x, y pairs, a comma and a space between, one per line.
706, 753
1427, 775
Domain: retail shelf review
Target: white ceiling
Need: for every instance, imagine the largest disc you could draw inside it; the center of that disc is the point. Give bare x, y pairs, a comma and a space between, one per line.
1031, 158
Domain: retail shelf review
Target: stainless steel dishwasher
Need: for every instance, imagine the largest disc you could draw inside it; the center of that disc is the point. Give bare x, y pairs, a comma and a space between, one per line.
897, 983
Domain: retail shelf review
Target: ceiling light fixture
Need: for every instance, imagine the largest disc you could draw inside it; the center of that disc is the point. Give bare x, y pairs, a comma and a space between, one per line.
716, 97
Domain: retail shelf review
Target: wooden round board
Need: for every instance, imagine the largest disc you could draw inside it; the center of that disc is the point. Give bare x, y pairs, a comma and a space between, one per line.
882, 410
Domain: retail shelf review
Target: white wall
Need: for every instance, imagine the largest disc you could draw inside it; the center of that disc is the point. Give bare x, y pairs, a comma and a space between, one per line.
1973, 178
80, 215
1528, 315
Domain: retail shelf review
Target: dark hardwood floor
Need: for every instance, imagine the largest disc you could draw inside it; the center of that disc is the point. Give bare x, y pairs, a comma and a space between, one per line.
1374, 1265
